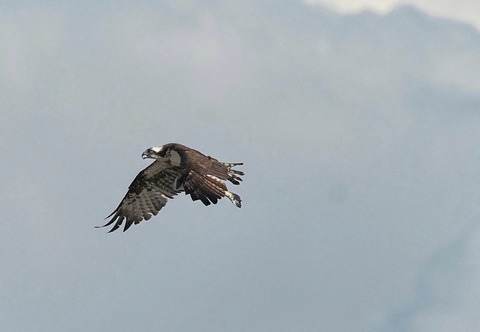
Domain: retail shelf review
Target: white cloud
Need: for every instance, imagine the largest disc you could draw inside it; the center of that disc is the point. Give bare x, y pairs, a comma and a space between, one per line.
467, 11
350, 6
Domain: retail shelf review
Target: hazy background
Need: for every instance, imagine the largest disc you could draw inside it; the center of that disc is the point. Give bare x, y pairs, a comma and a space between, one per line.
360, 138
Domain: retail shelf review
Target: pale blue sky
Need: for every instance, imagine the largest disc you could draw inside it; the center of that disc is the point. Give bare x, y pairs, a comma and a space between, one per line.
359, 134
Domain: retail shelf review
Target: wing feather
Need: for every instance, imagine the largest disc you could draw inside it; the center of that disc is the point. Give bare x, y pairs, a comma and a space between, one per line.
209, 189
146, 196
206, 176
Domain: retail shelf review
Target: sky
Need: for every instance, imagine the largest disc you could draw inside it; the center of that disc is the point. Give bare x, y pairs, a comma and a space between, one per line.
359, 136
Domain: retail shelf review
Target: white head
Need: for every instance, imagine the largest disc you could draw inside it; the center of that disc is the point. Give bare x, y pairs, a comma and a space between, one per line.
155, 152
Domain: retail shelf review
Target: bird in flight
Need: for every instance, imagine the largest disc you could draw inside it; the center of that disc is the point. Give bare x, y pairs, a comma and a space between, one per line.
176, 168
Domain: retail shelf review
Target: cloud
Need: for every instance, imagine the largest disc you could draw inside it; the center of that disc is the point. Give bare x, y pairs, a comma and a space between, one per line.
465, 10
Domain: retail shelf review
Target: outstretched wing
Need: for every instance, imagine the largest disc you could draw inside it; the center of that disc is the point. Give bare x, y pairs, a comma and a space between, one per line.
206, 182
146, 196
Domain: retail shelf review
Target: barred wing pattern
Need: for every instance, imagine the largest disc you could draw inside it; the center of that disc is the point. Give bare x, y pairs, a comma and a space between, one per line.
146, 196
208, 189
210, 186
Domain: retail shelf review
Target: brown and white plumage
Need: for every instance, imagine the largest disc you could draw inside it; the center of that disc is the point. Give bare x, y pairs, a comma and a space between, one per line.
176, 168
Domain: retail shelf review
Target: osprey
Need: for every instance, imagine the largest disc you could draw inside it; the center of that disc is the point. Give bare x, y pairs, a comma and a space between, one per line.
176, 168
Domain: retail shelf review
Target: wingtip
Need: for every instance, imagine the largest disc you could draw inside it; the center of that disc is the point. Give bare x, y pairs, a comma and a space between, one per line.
234, 198
128, 224
111, 221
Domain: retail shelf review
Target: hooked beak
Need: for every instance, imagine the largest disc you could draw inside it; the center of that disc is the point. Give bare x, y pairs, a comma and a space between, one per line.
146, 155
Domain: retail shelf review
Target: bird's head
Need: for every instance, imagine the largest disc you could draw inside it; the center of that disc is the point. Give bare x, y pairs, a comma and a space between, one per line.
155, 152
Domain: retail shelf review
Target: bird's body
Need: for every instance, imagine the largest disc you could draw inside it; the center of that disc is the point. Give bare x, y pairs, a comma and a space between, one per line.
176, 168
